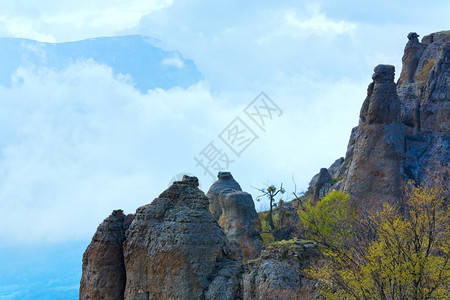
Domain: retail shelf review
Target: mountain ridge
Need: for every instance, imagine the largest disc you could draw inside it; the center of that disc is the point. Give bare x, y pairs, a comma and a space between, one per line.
141, 57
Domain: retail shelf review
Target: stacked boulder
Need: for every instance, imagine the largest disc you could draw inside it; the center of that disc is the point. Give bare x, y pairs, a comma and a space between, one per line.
173, 249
236, 214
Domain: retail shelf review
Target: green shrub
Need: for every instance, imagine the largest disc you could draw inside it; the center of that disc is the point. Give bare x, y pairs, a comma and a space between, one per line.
424, 73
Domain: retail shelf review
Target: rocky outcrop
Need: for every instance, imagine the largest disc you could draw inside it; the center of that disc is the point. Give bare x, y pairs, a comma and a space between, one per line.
240, 222
320, 184
185, 245
410, 60
226, 181
103, 274
278, 274
326, 180
174, 249
375, 170
404, 129
425, 102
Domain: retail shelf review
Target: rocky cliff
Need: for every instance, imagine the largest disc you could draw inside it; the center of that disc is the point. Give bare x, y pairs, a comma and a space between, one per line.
185, 245
403, 132
174, 248
103, 262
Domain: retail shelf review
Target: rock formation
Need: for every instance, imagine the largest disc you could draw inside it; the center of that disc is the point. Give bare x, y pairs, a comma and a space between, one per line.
410, 60
404, 128
375, 170
236, 214
425, 100
103, 274
240, 222
174, 249
185, 245
320, 184
278, 273
226, 181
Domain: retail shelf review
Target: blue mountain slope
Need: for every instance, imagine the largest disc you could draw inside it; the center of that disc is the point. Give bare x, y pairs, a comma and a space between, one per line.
45, 272
140, 57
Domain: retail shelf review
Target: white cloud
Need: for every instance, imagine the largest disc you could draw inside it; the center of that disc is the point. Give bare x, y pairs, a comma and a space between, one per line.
78, 143
319, 23
52, 21
23, 27
174, 62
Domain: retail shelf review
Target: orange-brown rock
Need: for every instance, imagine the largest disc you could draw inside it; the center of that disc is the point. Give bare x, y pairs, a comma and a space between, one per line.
103, 274
175, 249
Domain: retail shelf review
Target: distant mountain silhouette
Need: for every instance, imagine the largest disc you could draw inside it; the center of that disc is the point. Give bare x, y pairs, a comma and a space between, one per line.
142, 58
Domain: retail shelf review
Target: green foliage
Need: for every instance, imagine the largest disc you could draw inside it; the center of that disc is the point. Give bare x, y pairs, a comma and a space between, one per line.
424, 73
266, 235
407, 257
334, 180
328, 220
267, 238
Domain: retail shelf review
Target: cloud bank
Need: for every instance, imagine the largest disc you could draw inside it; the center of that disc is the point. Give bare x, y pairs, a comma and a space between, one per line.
77, 143
49, 21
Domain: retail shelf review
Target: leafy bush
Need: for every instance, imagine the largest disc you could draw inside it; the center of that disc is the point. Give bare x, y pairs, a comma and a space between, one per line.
391, 254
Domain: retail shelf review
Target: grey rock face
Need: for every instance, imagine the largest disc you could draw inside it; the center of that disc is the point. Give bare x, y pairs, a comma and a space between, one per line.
381, 105
240, 222
336, 169
426, 111
375, 169
319, 184
404, 129
410, 60
226, 181
278, 274
175, 249
103, 274
326, 180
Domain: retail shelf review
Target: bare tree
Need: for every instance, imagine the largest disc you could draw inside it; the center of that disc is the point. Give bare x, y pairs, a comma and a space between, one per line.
270, 192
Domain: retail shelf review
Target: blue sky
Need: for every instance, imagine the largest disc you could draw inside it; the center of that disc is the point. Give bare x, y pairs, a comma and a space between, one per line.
62, 172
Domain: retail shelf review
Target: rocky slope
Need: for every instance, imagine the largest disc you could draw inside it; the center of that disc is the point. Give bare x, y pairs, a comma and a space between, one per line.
278, 273
185, 245
175, 249
404, 129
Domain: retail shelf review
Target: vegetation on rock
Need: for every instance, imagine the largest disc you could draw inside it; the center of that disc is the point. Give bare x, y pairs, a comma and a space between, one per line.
390, 254
424, 73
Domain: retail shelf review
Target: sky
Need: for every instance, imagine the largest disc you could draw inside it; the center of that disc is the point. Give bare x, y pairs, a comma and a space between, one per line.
313, 59
82, 141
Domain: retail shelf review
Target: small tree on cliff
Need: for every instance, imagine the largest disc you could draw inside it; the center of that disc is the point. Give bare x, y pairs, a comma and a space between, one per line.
385, 255
271, 192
